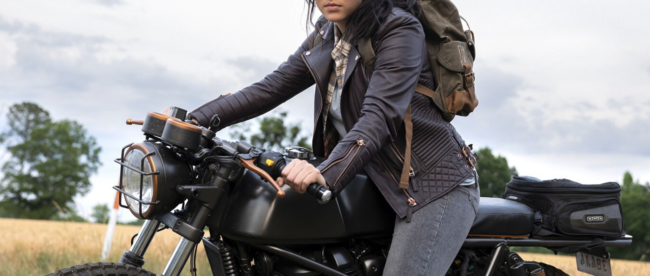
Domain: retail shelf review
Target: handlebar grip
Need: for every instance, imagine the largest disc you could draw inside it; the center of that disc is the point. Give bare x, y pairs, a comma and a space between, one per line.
322, 195
318, 191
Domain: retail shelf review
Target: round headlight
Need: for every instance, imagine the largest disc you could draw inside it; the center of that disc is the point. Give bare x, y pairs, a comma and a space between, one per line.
131, 180
162, 169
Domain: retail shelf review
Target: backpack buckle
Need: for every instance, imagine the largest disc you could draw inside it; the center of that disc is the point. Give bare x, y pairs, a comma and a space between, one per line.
470, 158
469, 79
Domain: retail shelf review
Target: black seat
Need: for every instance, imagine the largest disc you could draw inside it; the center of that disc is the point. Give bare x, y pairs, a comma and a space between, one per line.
502, 217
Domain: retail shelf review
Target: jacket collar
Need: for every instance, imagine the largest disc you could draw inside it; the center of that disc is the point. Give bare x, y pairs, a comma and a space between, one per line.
319, 59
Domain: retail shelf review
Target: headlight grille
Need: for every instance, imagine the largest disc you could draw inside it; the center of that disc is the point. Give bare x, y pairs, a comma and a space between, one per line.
138, 180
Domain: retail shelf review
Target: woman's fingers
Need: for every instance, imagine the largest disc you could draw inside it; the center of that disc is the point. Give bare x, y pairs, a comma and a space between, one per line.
303, 180
288, 168
298, 166
299, 174
313, 176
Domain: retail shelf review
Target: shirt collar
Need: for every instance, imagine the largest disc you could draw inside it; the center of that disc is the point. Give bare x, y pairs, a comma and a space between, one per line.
337, 34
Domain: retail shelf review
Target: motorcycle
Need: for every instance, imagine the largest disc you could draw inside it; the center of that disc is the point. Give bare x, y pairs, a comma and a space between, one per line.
258, 228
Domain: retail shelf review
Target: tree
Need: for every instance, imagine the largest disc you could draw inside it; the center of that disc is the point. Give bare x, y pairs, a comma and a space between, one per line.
274, 134
636, 219
100, 213
493, 172
50, 163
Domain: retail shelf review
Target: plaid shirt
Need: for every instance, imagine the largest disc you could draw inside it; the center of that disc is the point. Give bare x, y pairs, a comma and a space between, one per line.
335, 87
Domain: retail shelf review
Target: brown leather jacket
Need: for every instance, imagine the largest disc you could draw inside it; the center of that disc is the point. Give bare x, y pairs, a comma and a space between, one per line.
373, 111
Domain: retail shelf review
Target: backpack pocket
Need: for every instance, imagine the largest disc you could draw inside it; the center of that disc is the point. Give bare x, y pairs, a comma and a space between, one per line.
455, 92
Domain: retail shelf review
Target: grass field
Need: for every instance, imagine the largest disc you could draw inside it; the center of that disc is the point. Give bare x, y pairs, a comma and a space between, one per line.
32, 247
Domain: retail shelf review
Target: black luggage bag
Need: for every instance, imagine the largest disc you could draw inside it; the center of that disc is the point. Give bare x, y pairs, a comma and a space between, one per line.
567, 208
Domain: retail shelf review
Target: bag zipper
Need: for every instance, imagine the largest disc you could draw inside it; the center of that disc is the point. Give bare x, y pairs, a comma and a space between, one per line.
579, 190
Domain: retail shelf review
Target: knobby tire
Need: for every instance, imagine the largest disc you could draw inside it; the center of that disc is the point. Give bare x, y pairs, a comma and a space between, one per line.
101, 269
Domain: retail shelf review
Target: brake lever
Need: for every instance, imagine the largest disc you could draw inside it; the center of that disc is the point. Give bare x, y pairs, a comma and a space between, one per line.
250, 164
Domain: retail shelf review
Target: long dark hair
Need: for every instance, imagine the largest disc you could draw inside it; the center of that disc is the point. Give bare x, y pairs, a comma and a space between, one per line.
365, 20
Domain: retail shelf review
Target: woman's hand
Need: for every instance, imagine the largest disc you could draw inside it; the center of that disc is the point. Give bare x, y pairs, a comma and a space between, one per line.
299, 174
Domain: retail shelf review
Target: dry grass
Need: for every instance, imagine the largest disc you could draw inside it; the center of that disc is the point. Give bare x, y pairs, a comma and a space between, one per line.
568, 265
33, 247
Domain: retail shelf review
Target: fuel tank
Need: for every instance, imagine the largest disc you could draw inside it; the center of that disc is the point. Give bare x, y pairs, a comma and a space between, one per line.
254, 214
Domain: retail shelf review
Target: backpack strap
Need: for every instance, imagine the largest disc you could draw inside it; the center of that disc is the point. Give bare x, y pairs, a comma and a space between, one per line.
408, 126
367, 54
318, 39
406, 169
424, 91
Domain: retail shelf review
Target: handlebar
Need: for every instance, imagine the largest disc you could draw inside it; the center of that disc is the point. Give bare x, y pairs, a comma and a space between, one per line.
319, 192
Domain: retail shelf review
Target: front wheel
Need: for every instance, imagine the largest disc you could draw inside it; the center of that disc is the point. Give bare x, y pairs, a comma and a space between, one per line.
101, 269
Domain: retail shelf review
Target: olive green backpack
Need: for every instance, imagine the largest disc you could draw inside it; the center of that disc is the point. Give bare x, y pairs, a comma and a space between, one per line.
451, 54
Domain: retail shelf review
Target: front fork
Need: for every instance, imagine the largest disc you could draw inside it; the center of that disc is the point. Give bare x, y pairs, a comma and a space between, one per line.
180, 255
185, 246
135, 255
206, 198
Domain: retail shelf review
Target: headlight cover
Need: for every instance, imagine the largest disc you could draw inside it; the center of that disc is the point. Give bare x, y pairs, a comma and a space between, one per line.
161, 169
131, 180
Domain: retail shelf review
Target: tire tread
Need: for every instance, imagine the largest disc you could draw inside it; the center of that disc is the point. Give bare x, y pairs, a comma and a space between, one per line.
102, 269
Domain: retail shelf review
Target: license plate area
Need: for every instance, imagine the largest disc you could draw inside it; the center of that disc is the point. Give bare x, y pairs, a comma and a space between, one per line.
597, 265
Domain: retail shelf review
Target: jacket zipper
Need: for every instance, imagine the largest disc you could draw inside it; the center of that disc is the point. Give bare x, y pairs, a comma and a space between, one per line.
358, 145
386, 168
320, 108
411, 202
393, 147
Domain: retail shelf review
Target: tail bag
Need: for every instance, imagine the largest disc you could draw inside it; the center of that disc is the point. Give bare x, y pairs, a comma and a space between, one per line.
568, 208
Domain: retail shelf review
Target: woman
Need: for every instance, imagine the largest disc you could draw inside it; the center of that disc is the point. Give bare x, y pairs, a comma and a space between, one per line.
359, 125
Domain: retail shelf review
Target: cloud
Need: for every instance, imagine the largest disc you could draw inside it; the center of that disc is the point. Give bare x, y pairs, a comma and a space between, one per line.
65, 74
509, 121
254, 68
109, 3
495, 87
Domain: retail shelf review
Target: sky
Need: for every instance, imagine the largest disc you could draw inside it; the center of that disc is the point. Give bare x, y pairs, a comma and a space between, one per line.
564, 86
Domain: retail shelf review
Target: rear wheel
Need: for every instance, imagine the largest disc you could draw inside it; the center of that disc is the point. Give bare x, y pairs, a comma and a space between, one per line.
101, 269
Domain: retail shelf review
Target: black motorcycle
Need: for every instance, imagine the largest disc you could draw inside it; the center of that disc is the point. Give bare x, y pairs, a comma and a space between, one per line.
259, 228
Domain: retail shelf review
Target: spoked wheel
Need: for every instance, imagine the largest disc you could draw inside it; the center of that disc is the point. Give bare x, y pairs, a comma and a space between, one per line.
101, 269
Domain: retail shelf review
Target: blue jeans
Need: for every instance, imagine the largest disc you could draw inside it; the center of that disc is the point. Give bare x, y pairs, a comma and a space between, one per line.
429, 243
